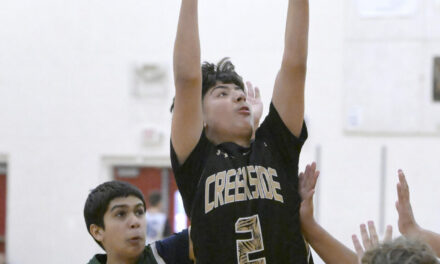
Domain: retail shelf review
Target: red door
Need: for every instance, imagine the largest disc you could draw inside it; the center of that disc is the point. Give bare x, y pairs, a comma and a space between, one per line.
2, 211
150, 179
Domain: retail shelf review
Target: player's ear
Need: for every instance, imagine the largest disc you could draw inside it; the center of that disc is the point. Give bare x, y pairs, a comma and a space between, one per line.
97, 232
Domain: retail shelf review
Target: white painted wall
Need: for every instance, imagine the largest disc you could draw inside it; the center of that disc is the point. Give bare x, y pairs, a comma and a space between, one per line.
67, 110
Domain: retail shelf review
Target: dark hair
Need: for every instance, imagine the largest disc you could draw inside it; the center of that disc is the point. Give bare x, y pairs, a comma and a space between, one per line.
224, 72
154, 198
400, 251
99, 198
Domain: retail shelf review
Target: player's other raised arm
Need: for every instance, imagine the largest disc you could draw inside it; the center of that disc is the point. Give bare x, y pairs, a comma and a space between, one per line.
187, 122
407, 223
288, 94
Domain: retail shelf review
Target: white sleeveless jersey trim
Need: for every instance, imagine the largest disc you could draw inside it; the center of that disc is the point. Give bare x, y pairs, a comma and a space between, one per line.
156, 255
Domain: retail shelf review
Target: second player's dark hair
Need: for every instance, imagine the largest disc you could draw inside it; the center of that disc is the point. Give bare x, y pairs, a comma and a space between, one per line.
99, 198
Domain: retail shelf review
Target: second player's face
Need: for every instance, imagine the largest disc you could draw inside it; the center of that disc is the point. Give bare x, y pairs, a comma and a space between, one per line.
226, 112
125, 227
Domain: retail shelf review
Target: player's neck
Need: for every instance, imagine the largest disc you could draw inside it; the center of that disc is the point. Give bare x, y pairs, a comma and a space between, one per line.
243, 141
116, 259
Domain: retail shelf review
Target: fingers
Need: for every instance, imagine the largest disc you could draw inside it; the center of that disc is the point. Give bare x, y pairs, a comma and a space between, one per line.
307, 176
370, 238
403, 201
250, 89
310, 169
313, 179
257, 92
404, 189
388, 234
310, 176
314, 175
313, 166
400, 203
306, 186
402, 178
307, 170
399, 192
398, 207
357, 246
374, 239
307, 182
365, 238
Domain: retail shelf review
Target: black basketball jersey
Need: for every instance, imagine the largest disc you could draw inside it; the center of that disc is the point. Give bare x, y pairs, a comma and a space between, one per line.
244, 202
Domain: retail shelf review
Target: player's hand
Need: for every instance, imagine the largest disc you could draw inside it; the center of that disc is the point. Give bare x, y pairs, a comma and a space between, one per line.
407, 223
254, 99
370, 239
307, 183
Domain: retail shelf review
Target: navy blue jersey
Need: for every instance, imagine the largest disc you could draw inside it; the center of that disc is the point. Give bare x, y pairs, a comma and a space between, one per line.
148, 256
174, 249
243, 202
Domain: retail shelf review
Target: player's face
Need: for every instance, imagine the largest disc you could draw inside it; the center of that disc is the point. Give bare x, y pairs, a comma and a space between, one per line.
226, 113
125, 227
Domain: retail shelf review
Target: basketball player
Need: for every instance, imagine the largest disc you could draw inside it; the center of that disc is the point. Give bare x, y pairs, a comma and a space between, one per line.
114, 213
241, 195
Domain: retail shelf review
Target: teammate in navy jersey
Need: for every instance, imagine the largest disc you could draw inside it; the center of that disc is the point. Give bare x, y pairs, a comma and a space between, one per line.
114, 213
240, 194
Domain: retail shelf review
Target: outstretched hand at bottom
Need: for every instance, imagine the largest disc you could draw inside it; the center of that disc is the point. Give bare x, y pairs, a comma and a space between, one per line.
370, 239
307, 183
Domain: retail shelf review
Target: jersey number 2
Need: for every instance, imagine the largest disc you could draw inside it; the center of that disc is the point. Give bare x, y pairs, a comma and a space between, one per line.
245, 247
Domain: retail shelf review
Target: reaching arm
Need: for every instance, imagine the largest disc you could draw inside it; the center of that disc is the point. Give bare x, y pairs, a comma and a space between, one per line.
407, 223
288, 93
327, 247
187, 122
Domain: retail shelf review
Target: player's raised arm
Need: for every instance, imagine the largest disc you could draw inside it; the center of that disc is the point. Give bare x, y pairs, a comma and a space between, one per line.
327, 247
288, 94
407, 223
187, 122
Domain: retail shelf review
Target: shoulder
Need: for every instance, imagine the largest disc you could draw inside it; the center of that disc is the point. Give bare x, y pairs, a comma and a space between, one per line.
98, 259
150, 255
199, 152
174, 249
273, 126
